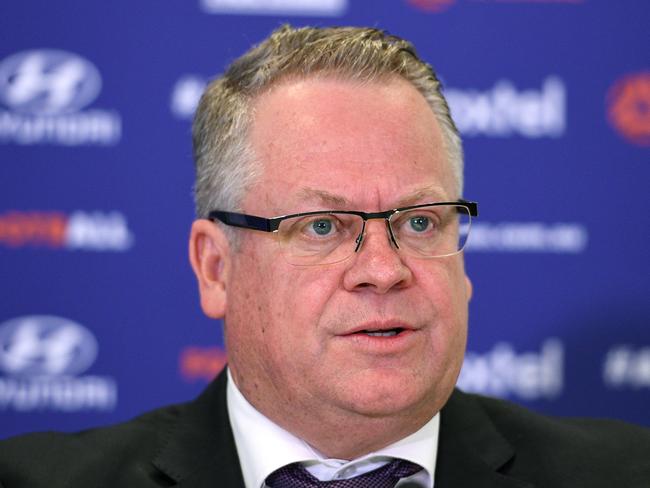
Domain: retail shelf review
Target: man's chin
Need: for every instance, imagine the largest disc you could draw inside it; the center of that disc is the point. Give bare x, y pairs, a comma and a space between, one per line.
390, 394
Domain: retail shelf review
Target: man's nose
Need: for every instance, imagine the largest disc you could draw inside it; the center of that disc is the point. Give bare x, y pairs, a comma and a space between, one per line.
376, 264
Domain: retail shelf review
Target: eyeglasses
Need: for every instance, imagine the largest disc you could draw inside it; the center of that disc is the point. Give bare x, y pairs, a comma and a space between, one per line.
430, 230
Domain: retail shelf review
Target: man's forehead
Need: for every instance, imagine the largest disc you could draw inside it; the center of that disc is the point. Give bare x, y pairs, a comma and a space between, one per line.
338, 200
352, 149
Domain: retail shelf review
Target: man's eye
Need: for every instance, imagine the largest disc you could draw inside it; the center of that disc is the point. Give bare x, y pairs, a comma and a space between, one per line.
321, 227
419, 223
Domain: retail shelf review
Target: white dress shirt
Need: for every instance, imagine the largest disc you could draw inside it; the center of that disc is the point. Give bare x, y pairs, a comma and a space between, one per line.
264, 446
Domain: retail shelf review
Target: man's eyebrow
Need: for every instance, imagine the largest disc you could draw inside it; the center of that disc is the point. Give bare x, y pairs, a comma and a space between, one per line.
431, 193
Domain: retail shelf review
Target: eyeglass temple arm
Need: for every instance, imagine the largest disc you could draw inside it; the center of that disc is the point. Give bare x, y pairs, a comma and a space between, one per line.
471, 206
245, 221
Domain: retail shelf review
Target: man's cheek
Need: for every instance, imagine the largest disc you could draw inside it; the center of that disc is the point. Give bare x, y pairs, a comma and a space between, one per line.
306, 292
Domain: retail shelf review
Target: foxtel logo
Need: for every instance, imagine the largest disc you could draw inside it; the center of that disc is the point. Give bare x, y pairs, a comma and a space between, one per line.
505, 111
503, 372
83, 231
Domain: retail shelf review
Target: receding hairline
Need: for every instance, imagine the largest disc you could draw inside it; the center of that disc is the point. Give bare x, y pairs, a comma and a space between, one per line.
381, 79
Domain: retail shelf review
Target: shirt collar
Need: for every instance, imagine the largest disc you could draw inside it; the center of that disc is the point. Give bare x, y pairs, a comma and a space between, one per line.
264, 446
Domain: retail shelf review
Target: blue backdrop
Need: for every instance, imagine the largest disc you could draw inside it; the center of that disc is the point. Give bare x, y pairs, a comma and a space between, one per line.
99, 315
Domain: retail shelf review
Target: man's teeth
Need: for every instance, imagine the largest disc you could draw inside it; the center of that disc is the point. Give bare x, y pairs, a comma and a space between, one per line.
381, 333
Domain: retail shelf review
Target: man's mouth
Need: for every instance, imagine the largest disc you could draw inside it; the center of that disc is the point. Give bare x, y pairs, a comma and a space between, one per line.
388, 337
382, 333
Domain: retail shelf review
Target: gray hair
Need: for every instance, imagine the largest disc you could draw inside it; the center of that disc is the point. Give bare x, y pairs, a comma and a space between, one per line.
225, 163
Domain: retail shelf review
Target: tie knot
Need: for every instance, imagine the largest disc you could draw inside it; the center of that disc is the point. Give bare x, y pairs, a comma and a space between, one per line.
296, 476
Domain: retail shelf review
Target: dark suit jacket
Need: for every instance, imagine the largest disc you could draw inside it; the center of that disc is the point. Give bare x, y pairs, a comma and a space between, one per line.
483, 443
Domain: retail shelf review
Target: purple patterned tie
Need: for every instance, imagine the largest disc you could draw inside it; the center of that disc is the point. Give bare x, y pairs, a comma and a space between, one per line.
296, 476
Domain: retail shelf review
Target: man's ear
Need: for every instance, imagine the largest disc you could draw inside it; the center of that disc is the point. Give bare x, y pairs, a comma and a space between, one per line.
469, 288
210, 258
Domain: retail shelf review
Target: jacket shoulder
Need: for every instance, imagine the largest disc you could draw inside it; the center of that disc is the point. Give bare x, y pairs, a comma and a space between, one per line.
94, 458
518, 421
570, 451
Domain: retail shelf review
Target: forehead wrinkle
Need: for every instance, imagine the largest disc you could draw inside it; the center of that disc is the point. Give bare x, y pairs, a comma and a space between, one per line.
322, 196
431, 193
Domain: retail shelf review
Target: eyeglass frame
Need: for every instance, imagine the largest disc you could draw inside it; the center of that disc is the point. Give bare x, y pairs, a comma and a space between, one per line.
272, 224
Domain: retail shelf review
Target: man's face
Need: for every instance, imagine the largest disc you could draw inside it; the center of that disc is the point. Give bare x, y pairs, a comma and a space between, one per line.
295, 335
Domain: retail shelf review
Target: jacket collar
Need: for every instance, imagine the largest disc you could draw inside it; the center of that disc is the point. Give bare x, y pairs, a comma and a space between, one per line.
471, 450
200, 452
200, 449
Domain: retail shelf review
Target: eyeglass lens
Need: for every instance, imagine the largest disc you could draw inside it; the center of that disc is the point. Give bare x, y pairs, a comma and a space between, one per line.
331, 237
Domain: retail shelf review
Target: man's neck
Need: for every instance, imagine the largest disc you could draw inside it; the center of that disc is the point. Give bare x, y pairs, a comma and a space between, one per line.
340, 433
263, 446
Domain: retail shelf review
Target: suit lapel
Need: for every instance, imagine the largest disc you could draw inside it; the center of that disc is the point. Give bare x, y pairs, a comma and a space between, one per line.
200, 449
471, 449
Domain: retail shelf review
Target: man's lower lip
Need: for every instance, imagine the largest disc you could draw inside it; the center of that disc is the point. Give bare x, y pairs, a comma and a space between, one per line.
380, 342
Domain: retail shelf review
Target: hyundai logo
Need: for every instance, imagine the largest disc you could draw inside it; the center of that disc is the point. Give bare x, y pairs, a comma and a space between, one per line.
48, 82
38, 345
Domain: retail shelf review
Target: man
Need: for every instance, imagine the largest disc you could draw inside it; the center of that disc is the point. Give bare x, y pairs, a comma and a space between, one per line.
330, 237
